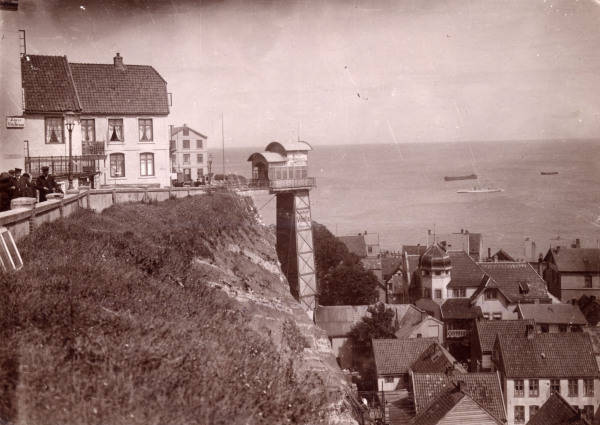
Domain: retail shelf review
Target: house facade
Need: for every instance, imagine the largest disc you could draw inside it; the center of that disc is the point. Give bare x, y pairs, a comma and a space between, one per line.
572, 272
189, 154
119, 133
534, 366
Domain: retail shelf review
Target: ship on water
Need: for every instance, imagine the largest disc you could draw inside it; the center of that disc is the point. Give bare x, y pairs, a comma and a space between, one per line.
478, 189
467, 177
548, 173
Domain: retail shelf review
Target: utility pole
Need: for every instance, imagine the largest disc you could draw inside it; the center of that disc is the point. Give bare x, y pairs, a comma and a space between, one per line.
223, 143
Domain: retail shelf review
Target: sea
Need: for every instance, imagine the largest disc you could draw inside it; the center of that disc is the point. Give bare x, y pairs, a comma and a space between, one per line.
398, 191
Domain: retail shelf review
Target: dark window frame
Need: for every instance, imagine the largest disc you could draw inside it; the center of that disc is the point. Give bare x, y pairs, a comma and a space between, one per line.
145, 159
116, 123
116, 156
85, 129
62, 130
145, 124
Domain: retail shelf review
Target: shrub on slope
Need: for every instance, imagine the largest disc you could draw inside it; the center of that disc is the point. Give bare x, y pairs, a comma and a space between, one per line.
109, 324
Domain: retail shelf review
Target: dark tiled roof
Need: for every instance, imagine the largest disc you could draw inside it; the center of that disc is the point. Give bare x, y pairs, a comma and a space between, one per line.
557, 411
577, 259
488, 329
483, 388
436, 359
48, 85
355, 244
502, 255
52, 84
389, 266
465, 272
431, 307
548, 355
517, 281
553, 313
417, 250
459, 308
438, 408
396, 356
105, 89
176, 130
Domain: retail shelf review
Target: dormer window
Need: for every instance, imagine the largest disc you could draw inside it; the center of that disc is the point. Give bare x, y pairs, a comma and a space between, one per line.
145, 125
115, 130
523, 287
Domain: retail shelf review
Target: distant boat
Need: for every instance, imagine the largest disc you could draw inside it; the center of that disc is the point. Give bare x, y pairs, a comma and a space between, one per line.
452, 178
481, 190
548, 173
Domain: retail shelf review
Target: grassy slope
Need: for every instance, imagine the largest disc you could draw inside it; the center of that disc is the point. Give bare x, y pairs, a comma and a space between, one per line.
111, 323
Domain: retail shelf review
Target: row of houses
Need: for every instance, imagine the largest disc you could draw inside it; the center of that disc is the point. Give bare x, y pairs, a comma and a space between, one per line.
105, 124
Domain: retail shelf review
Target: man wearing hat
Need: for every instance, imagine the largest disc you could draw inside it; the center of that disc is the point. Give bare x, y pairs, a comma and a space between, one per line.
5, 198
25, 188
46, 184
12, 190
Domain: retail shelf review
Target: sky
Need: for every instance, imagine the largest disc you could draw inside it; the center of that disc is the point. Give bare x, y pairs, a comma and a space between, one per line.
341, 71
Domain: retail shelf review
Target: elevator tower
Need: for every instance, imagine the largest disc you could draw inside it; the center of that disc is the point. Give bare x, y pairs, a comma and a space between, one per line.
283, 169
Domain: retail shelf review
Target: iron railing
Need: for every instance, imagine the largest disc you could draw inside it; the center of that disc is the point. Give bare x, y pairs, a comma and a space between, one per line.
92, 148
59, 165
282, 184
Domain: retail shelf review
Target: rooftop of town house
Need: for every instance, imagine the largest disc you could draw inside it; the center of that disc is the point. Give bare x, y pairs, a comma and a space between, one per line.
52, 84
338, 320
389, 266
396, 356
465, 271
575, 259
176, 130
356, 244
547, 355
502, 255
483, 388
459, 309
436, 359
486, 331
565, 314
417, 250
557, 411
517, 281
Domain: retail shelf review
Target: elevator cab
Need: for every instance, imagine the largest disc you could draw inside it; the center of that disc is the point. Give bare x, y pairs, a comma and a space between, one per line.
281, 167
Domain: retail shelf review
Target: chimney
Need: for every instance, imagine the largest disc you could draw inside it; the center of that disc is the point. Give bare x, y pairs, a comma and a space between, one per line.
118, 62
530, 330
489, 253
577, 243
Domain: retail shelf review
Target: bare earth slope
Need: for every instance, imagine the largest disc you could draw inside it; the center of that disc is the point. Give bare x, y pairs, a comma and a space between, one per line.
169, 313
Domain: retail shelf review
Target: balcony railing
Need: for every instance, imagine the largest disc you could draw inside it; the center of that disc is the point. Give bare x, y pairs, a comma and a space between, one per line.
282, 184
457, 333
85, 165
92, 148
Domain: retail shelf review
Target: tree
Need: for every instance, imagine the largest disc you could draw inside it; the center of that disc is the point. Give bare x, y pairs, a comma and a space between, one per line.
342, 278
381, 322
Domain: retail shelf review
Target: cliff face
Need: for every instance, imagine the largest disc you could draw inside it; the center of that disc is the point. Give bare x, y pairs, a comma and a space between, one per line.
174, 312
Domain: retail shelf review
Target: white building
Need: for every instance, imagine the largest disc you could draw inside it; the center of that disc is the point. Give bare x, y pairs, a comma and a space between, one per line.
120, 132
189, 154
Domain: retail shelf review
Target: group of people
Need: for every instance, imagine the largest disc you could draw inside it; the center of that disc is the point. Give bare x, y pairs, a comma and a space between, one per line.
13, 184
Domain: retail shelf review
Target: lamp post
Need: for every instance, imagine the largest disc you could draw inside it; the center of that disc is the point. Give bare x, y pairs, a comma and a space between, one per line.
210, 161
70, 123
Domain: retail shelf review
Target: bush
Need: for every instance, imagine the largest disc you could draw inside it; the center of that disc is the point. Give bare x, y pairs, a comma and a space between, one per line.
112, 325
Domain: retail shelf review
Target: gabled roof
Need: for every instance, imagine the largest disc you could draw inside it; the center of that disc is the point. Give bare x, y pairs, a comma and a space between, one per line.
356, 244
389, 266
567, 314
487, 330
547, 355
51, 84
406, 330
48, 85
396, 356
176, 130
459, 308
557, 411
465, 272
516, 280
483, 388
502, 255
431, 307
436, 359
133, 90
576, 259
338, 320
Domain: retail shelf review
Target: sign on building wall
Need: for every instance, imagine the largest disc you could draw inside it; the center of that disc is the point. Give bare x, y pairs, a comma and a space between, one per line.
15, 122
